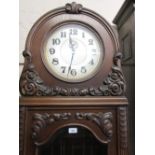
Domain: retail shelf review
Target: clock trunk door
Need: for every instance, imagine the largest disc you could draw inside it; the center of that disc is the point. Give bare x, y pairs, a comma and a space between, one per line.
73, 141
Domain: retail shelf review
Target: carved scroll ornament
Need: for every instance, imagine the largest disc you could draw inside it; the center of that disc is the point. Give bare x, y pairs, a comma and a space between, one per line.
102, 120
73, 8
41, 121
32, 85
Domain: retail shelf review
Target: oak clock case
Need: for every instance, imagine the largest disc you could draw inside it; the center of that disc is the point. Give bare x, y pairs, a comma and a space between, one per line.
52, 68
72, 79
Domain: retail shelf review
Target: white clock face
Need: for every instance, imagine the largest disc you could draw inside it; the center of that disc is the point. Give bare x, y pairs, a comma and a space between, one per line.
73, 53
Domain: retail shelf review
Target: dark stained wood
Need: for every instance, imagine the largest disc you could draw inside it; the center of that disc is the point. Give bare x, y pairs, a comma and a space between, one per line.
82, 143
113, 85
21, 130
73, 101
122, 130
101, 117
35, 78
51, 106
125, 20
38, 37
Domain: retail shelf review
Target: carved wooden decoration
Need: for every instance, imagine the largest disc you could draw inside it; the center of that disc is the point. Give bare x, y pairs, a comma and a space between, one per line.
49, 103
32, 85
41, 121
122, 112
73, 8
36, 81
45, 120
104, 121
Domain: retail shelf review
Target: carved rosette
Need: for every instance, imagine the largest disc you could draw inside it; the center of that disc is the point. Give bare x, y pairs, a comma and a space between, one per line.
41, 121
102, 120
73, 8
115, 80
32, 85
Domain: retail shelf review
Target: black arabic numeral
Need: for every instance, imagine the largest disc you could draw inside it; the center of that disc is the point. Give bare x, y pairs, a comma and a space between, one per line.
73, 31
90, 42
56, 41
91, 62
73, 72
83, 35
63, 69
55, 61
52, 50
63, 34
83, 70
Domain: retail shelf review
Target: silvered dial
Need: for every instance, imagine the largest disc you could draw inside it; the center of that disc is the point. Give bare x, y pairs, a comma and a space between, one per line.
73, 53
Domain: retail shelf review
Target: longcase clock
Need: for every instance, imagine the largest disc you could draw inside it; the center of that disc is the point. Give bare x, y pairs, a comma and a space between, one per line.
72, 86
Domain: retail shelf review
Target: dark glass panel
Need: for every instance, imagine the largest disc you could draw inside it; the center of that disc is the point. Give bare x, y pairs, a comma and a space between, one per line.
80, 142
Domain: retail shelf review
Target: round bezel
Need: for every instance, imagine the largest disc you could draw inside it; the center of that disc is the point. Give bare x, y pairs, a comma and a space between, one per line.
61, 76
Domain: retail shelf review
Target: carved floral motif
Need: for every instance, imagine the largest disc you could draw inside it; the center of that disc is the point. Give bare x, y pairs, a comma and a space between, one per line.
32, 85
102, 120
41, 121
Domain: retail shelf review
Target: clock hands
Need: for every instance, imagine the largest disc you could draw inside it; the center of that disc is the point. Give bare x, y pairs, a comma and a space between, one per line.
71, 43
72, 46
70, 64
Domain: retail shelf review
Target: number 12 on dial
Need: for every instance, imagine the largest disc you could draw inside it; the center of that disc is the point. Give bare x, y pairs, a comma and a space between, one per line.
72, 53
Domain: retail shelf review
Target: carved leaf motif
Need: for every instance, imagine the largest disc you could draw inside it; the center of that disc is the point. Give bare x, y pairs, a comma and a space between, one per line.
73, 8
41, 121
103, 121
32, 85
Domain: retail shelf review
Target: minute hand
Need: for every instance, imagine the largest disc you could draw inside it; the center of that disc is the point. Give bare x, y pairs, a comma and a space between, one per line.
70, 64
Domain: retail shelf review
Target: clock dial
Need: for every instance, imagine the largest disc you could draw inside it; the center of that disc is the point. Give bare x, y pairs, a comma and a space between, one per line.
73, 53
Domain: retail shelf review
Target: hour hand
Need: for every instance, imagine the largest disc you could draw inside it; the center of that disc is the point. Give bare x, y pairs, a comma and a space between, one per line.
71, 43
69, 68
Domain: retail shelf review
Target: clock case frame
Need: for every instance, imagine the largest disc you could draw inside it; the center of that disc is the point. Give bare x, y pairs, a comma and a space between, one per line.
103, 110
37, 81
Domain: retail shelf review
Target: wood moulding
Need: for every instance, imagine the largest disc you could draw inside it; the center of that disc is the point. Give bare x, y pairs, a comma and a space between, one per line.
41, 121
123, 132
73, 101
21, 129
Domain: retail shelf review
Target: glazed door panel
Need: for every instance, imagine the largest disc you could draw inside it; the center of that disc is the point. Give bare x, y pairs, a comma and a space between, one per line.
97, 128
81, 142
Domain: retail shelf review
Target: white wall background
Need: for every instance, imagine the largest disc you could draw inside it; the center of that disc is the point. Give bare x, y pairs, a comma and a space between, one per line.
31, 10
